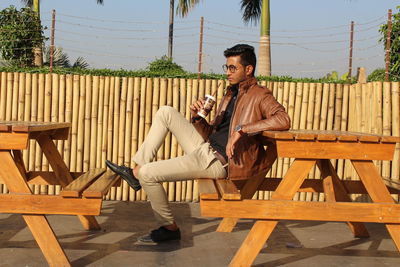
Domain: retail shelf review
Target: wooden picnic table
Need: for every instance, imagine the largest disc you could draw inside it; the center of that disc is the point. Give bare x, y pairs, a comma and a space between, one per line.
232, 199
81, 194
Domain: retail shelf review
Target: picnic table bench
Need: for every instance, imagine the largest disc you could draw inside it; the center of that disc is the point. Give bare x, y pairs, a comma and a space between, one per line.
81, 195
232, 199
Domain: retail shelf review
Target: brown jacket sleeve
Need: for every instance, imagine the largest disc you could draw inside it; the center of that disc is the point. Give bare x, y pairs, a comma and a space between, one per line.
202, 127
276, 118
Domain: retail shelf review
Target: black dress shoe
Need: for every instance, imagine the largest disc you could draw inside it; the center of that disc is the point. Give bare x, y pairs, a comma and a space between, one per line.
126, 173
161, 234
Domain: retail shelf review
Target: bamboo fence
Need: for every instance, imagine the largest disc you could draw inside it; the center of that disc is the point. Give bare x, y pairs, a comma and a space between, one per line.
111, 116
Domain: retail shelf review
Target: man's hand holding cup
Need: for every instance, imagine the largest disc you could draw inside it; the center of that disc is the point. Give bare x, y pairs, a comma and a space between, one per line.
202, 107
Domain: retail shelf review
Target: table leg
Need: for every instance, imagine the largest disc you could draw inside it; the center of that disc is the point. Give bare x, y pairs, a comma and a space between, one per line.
38, 224
377, 190
335, 191
262, 229
63, 175
19, 162
248, 190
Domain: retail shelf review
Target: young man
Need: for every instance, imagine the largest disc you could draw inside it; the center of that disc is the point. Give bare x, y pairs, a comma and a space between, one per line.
229, 147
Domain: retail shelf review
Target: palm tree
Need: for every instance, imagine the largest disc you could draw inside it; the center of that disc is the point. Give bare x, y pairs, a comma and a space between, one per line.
253, 11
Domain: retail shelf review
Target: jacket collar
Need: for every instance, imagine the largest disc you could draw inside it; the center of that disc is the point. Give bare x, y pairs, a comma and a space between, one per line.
246, 84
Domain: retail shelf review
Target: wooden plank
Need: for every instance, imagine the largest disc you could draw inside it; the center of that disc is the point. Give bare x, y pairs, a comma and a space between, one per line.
249, 187
335, 191
207, 189
303, 210
38, 126
16, 141
46, 177
5, 128
100, 187
55, 160
316, 186
227, 189
48, 204
336, 150
19, 162
261, 230
62, 173
57, 134
390, 139
282, 135
77, 186
38, 224
378, 192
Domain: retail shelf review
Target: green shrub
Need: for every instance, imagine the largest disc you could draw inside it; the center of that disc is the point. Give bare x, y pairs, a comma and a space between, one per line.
20, 32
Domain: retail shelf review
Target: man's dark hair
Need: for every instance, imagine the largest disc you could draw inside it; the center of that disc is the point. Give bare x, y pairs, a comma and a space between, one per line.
246, 53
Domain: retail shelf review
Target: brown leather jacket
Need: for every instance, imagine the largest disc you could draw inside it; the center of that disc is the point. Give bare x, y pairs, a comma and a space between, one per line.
256, 110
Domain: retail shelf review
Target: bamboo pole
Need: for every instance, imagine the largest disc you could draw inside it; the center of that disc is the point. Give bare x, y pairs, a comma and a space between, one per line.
285, 102
100, 114
27, 109
174, 143
188, 87
161, 154
387, 106
128, 134
309, 122
104, 135
290, 110
40, 114
343, 125
87, 123
68, 116
14, 104
61, 111
183, 109
142, 112
110, 128
331, 107
3, 95
316, 123
379, 115
106, 125
195, 96
121, 131
93, 121
395, 94
110, 122
34, 110
74, 126
169, 143
324, 107
81, 124
10, 81
135, 128
304, 106
21, 97
297, 98
338, 107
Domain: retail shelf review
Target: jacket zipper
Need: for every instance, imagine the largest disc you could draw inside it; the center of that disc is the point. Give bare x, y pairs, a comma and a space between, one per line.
230, 125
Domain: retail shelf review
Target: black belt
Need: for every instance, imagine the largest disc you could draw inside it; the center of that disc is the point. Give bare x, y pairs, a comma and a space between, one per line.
221, 158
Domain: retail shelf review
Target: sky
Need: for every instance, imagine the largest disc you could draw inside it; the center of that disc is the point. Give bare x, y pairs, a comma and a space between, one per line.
309, 38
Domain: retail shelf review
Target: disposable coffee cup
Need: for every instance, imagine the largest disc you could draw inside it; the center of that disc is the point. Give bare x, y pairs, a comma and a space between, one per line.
208, 105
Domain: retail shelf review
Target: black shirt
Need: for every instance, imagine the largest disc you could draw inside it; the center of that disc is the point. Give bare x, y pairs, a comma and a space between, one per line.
219, 139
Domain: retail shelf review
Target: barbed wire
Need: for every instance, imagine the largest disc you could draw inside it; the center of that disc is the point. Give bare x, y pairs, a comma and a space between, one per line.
122, 21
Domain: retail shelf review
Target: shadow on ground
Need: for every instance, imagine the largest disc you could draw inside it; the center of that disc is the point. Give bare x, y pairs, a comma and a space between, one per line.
291, 244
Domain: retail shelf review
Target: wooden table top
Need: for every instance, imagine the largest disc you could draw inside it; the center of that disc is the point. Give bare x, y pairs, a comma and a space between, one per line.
31, 126
320, 135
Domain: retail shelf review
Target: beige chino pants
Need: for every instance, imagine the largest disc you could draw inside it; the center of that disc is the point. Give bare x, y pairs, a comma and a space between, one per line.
198, 162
